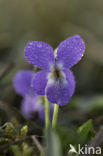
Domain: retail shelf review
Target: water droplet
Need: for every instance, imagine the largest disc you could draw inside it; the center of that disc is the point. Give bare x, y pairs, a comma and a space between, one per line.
39, 45
31, 43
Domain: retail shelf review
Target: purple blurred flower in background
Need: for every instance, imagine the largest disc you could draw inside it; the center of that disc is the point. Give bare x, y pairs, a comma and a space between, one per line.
32, 102
22, 82
55, 78
30, 105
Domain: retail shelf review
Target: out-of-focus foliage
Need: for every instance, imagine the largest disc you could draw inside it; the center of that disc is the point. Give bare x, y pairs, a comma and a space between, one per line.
13, 142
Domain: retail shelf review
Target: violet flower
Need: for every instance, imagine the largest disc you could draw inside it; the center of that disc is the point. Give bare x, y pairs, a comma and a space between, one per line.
22, 82
30, 105
31, 102
55, 79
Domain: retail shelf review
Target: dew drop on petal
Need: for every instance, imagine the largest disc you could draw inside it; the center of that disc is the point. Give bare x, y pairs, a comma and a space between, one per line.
30, 43
39, 45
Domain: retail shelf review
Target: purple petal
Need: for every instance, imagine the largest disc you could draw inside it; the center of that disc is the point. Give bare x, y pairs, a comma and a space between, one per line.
40, 54
61, 91
22, 82
41, 113
29, 105
39, 82
70, 51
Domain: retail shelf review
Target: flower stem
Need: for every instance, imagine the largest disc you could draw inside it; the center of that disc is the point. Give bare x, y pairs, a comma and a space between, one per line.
55, 115
47, 121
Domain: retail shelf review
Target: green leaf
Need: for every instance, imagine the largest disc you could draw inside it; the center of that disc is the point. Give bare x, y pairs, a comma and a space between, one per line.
16, 150
86, 130
68, 136
27, 150
24, 131
53, 147
9, 130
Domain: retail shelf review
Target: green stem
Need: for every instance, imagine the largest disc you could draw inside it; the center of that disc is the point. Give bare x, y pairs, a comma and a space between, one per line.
55, 115
47, 121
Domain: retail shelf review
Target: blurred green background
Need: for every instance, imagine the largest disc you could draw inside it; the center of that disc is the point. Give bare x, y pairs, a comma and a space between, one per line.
52, 22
